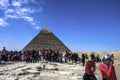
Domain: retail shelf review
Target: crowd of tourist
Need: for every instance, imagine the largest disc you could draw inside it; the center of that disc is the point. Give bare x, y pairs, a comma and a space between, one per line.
32, 56
45, 55
36, 56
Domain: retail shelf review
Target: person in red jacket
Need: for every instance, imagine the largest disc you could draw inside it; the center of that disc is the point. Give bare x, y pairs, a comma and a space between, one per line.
90, 68
107, 69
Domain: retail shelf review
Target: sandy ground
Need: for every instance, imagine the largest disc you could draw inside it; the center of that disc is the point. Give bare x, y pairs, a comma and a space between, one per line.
46, 71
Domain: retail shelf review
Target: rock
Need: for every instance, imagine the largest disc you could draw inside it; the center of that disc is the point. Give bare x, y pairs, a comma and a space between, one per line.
22, 73
33, 72
39, 68
51, 67
65, 72
1, 73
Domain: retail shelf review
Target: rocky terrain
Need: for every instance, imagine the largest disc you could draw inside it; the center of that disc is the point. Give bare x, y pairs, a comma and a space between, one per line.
42, 71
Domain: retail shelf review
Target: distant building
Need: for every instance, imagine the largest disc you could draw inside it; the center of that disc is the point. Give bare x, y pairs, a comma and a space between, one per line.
46, 40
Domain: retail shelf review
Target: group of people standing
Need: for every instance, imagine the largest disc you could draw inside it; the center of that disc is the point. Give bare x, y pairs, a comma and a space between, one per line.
38, 55
106, 68
92, 56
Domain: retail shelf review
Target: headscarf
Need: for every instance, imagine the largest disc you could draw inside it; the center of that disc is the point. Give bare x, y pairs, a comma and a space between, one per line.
106, 56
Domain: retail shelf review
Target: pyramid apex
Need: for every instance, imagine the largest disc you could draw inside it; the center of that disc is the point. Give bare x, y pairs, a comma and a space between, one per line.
45, 30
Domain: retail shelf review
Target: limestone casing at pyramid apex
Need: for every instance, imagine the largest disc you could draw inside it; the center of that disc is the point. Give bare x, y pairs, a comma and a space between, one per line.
45, 30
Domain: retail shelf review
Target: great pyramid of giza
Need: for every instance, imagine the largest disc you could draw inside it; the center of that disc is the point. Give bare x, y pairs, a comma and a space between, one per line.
46, 40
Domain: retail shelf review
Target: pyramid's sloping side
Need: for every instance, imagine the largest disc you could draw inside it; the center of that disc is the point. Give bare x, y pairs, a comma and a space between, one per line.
47, 41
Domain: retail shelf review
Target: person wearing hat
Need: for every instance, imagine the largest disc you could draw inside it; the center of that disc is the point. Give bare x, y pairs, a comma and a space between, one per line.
107, 69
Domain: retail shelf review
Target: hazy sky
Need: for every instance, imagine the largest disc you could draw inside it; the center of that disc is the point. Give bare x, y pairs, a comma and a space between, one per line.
82, 25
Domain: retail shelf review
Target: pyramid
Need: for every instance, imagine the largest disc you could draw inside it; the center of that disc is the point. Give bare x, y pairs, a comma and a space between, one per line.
46, 40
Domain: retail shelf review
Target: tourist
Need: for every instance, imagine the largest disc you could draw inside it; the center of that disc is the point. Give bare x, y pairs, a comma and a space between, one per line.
90, 68
86, 56
75, 58
107, 69
112, 57
40, 55
93, 56
97, 58
0, 54
83, 59
3, 54
27, 56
